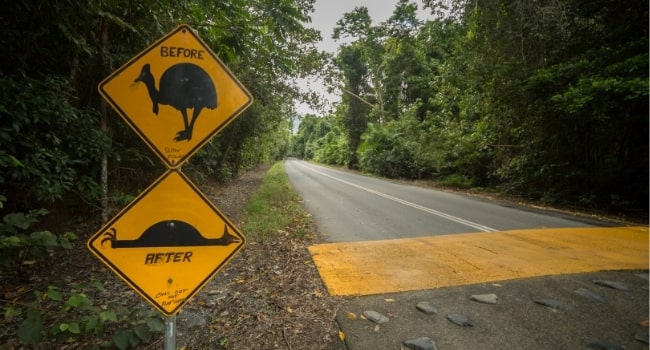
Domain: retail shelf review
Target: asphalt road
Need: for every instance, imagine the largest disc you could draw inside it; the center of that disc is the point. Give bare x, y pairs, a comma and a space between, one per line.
352, 207
391, 246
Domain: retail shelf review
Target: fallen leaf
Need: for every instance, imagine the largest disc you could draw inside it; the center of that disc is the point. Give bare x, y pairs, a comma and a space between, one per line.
342, 335
351, 315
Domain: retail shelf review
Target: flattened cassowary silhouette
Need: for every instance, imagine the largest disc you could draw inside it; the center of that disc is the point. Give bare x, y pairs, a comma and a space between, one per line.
182, 86
170, 233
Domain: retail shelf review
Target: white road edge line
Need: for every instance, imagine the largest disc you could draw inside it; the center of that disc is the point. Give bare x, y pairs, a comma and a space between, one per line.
407, 203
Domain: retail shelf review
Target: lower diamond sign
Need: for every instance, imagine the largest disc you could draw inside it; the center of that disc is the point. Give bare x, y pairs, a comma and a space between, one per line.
168, 243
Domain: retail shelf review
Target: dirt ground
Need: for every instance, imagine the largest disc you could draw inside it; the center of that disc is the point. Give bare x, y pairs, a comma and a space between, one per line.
269, 296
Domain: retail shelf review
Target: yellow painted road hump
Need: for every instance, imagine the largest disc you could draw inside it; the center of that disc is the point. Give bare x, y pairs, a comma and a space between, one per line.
376, 267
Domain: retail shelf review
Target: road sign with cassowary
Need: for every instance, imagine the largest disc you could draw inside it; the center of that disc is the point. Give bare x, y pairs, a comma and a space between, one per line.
170, 241
176, 95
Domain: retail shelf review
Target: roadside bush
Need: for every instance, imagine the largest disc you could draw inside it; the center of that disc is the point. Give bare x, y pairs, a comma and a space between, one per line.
384, 152
333, 150
44, 313
50, 150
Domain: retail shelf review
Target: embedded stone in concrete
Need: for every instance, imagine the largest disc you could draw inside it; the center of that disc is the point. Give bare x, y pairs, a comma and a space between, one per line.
375, 316
460, 320
485, 298
427, 307
553, 304
589, 295
602, 345
645, 276
612, 284
643, 336
424, 343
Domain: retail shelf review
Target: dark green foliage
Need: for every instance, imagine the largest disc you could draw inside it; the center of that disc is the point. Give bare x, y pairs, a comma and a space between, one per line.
311, 130
54, 314
332, 148
351, 62
49, 89
385, 152
84, 318
545, 100
568, 103
49, 146
320, 139
18, 244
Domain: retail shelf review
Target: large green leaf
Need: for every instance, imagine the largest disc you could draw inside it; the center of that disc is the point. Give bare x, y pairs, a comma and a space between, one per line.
155, 324
122, 339
19, 220
30, 331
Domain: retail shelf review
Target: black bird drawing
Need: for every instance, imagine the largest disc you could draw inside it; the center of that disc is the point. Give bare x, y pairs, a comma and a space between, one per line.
170, 233
182, 86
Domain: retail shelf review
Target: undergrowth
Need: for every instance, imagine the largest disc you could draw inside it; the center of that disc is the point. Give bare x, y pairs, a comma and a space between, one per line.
60, 313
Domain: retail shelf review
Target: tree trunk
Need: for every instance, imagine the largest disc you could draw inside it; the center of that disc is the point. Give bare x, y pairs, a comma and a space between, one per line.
104, 127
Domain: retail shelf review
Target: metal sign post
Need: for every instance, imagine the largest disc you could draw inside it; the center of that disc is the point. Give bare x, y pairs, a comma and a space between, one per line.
170, 332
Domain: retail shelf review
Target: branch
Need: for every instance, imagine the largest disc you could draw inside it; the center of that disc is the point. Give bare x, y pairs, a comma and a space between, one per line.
357, 96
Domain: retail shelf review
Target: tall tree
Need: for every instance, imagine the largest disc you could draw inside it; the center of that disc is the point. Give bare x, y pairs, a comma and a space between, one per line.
355, 120
352, 60
405, 77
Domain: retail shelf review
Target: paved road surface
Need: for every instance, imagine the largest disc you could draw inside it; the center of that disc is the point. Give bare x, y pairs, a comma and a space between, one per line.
351, 207
393, 246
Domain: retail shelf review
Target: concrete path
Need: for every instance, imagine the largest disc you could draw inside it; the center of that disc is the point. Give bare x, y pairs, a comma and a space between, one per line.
554, 289
515, 322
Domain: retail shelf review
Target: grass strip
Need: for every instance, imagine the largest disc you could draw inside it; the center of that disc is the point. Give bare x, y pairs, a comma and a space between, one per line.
276, 208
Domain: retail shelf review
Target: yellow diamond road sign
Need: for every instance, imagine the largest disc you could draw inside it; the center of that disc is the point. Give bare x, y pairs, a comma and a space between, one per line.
168, 243
176, 95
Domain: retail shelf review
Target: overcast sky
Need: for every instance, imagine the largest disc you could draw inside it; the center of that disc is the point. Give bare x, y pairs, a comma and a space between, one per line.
328, 12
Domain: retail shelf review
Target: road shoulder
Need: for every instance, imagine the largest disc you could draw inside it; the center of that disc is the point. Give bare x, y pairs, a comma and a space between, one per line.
516, 321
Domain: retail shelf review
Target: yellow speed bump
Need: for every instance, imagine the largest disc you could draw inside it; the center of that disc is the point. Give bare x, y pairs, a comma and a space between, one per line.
375, 267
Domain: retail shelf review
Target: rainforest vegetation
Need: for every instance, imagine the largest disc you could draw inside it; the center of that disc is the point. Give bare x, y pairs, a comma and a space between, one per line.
68, 162
545, 100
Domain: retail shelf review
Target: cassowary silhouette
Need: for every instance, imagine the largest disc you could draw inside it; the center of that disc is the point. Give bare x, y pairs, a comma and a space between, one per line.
182, 86
170, 233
